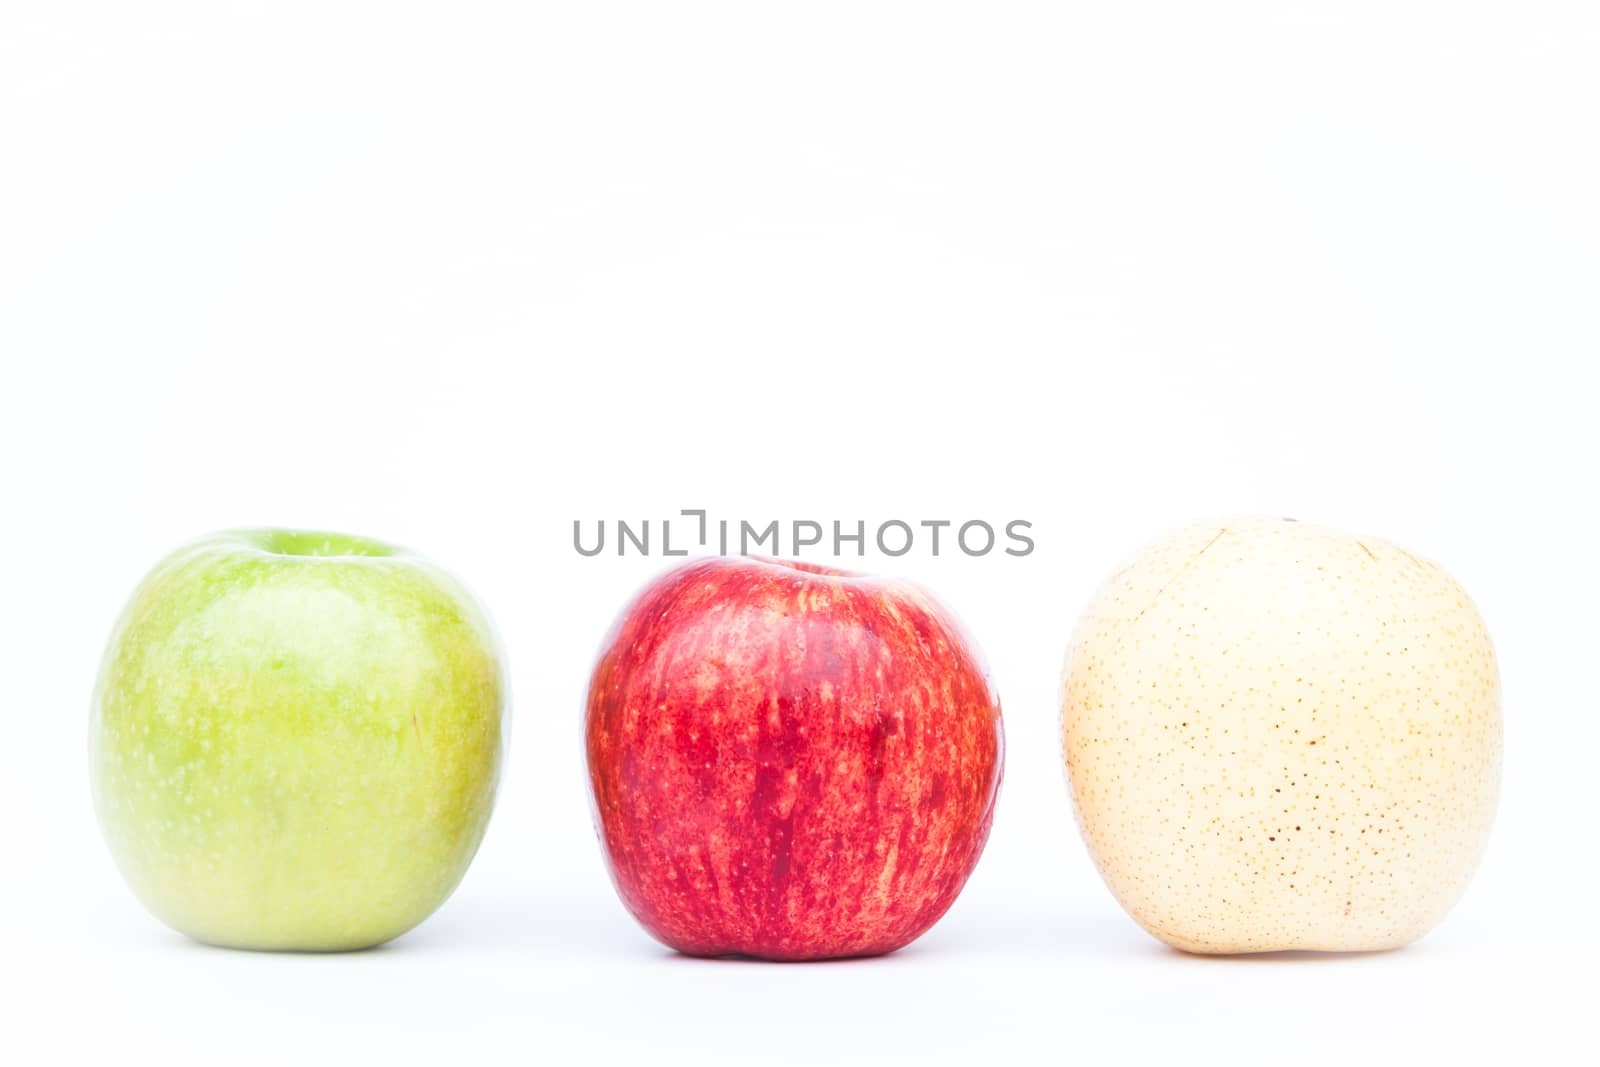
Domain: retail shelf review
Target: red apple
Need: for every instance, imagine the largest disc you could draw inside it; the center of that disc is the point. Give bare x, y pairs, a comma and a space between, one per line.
788, 761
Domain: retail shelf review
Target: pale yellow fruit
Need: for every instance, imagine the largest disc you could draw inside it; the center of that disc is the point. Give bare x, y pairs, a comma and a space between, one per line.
1281, 736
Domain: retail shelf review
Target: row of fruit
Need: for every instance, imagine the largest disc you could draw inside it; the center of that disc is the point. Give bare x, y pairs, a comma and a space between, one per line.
1278, 736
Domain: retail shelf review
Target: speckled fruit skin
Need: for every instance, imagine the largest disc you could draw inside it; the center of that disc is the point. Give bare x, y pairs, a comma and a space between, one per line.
295, 739
1281, 736
790, 762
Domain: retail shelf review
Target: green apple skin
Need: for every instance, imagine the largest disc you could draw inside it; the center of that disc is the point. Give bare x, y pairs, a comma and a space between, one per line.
296, 739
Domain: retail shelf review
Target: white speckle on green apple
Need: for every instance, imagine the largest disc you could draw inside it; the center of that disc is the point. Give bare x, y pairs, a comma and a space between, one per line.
296, 738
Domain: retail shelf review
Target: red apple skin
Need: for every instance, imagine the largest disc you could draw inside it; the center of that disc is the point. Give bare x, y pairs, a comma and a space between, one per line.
790, 762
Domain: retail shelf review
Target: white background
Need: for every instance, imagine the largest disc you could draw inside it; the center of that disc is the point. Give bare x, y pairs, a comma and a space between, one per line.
456, 275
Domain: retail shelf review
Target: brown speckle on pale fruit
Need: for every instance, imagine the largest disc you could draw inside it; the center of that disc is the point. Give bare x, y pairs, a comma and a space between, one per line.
1279, 736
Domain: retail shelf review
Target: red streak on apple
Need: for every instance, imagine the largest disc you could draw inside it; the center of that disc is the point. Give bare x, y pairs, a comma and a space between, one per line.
790, 762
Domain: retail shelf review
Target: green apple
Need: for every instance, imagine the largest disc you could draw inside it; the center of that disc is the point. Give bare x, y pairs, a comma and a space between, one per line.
296, 739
